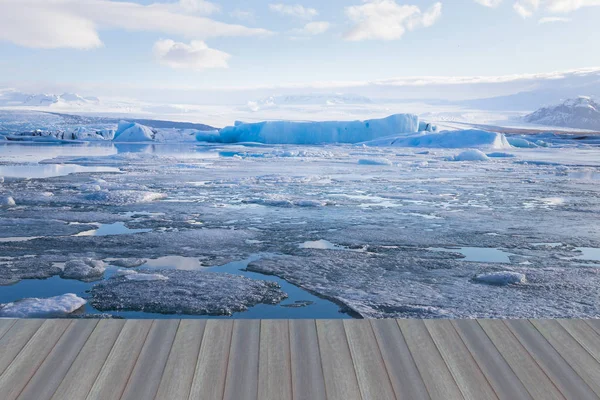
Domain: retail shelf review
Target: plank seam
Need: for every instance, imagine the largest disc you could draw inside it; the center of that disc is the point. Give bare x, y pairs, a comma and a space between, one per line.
320, 357
40, 364
77, 356
474, 360
370, 323
561, 356
506, 361
166, 360
258, 361
533, 359
578, 341
353, 362
290, 360
435, 345
197, 360
136, 360
21, 349
228, 357
412, 357
13, 322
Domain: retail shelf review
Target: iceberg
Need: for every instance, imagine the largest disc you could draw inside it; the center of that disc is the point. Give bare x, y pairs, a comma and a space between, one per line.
470, 138
133, 132
292, 132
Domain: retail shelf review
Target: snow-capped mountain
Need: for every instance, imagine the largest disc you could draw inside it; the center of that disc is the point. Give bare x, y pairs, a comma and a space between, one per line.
582, 112
14, 98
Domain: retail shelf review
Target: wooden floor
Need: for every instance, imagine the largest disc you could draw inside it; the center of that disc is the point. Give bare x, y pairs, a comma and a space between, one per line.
299, 359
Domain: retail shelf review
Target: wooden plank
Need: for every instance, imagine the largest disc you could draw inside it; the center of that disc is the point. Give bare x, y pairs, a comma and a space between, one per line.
15, 339
521, 362
404, 375
26, 363
501, 377
51, 373
307, 372
117, 368
584, 334
211, 365
5, 325
472, 382
242, 370
274, 370
371, 373
562, 375
338, 369
86, 367
572, 352
147, 372
433, 369
177, 377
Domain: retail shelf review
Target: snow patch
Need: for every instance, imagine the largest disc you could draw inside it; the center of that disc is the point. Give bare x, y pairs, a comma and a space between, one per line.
470, 155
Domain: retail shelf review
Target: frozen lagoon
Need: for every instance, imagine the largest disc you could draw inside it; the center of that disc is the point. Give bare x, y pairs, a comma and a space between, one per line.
400, 234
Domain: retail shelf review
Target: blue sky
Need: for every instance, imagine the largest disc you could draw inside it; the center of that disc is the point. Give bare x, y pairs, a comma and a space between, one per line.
173, 44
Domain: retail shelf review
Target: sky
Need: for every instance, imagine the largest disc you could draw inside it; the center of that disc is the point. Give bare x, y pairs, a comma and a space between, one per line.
93, 45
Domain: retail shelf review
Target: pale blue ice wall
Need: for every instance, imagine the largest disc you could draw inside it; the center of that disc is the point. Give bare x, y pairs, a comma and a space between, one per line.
289, 132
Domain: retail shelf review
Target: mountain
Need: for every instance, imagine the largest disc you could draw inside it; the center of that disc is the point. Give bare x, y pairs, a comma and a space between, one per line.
14, 98
581, 112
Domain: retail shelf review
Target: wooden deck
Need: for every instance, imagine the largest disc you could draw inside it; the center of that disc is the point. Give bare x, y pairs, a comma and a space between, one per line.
299, 359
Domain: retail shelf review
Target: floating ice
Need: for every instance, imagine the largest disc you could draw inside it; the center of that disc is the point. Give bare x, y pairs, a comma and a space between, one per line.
29, 268
470, 155
184, 292
123, 197
83, 270
133, 132
501, 278
7, 201
290, 132
136, 276
56, 306
127, 262
521, 143
447, 139
374, 161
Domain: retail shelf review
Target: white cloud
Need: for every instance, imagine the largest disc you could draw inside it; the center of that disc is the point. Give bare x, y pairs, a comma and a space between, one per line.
547, 20
565, 6
295, 10
489, 3
75, 23
526, 8
196, 55
388, 20
243, 15
312, 28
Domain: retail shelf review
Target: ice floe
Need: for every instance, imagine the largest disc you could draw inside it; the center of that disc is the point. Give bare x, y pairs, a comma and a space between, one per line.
56, 306
184, 292
501, 278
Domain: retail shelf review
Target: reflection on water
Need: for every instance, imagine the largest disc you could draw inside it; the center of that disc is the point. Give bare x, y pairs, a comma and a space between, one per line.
36, 171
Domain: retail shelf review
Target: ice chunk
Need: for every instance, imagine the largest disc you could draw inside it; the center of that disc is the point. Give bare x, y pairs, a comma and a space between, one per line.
374, 161
501, 278
522, 143
83, 270
184, 292
123, 197
455, 139
133, 132
470, 155
291, 132
7, 201
56, 306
